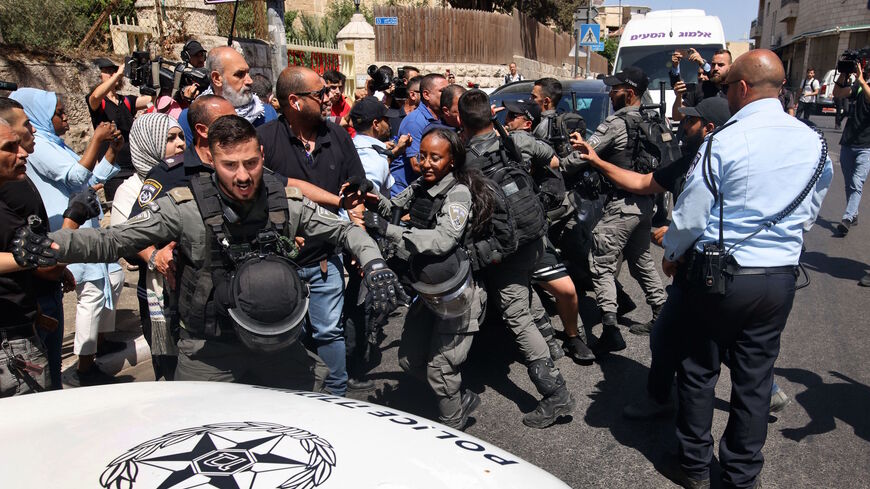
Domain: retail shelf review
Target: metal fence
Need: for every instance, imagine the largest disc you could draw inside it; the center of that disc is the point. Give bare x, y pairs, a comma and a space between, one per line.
433, 35
320, 57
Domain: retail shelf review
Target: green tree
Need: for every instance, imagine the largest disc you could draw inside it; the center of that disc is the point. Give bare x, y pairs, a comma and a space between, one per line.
325, 28
610, 46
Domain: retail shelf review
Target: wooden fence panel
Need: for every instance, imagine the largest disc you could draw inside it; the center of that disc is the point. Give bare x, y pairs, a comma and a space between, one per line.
440, 35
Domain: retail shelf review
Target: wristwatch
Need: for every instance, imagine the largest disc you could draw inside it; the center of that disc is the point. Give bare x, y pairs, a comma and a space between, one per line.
151, 263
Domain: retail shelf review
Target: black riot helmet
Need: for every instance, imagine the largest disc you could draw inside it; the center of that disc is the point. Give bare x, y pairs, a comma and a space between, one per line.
443, 282
270, 302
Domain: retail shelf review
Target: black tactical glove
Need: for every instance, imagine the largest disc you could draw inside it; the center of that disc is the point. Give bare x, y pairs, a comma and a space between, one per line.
385, 291
375, 223
31, 249
83, 206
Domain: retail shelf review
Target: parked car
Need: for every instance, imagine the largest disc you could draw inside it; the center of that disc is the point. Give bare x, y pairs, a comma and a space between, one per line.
589, 98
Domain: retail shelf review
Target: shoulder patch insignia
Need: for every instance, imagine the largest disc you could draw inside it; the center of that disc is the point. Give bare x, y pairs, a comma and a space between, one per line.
293, 193
141, 217
180, 194
149, 191
458, 214
594, 141
694, 163
326, 214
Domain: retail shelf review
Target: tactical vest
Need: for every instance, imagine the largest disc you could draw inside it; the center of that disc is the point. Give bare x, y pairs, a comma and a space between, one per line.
424, 208
198, 306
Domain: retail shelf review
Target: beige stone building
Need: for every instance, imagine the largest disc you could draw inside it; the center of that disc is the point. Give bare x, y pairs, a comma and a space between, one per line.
318, 7
612, 18
810, 33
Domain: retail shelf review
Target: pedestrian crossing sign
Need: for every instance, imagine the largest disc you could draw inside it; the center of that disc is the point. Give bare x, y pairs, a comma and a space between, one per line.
590, 34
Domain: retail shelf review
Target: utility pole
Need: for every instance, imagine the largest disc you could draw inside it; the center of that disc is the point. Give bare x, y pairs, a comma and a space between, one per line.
578, 20
277, 36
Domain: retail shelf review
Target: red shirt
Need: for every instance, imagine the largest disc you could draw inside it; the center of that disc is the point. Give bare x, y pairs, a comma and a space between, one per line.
339, 111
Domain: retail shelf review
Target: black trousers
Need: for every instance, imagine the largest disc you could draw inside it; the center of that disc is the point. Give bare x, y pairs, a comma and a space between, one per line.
744, 327
805, 110
666, 345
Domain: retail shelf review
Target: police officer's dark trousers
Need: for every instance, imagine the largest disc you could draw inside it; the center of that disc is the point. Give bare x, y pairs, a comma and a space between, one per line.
743, 326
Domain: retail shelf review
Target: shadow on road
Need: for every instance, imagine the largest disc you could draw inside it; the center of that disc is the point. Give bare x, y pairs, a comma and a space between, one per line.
835, 266
624, 382
848, 401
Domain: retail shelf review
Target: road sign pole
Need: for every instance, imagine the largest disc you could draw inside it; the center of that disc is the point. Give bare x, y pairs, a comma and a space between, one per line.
576, 51
588, 50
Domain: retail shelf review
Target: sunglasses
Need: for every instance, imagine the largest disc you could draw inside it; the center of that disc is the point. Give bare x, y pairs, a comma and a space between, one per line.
317, 94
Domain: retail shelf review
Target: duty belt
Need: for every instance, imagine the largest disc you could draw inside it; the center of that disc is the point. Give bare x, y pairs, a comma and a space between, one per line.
734, 270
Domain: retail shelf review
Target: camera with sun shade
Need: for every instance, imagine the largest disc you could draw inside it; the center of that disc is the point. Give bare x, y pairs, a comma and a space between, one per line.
853, 59
158, 76
383, 81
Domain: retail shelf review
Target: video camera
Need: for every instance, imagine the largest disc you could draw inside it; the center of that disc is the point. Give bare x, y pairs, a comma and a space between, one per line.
153, 76
851, 59
381, 81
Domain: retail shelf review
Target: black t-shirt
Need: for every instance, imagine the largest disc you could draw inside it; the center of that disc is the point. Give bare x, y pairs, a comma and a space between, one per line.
673, 176
19, 290
122, 114
696, 92
857, 131
333, 161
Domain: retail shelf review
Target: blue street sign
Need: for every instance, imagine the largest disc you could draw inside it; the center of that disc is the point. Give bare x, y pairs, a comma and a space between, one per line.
386, 21
590, 34
598, 47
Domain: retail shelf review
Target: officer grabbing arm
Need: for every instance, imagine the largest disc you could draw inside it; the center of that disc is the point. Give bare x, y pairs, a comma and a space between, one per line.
237, 283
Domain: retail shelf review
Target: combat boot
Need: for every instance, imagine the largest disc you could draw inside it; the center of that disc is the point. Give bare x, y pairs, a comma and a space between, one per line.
470, 401
611, 338
546, 329
557, 400
645, 328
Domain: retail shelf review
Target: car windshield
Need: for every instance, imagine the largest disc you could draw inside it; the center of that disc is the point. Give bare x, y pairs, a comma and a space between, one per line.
655, 61
592, 106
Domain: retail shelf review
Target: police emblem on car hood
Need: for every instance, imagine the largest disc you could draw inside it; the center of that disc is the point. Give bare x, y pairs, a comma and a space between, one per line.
247, 455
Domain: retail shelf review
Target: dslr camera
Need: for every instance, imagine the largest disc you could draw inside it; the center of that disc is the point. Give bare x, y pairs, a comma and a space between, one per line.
157, 75
382, 81
853, 59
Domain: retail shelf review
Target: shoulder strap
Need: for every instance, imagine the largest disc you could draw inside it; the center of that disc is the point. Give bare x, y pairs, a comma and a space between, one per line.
276, 193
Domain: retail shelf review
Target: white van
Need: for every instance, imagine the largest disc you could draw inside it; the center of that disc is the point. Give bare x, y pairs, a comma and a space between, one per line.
650, 39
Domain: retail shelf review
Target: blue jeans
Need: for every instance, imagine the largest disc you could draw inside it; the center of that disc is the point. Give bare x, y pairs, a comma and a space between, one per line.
324, 320
855, 163
52, 306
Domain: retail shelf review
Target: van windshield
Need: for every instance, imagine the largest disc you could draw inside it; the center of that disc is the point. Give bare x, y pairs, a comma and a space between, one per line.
655, 61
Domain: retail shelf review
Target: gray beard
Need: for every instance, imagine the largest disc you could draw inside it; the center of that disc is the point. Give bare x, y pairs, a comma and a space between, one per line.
237, 99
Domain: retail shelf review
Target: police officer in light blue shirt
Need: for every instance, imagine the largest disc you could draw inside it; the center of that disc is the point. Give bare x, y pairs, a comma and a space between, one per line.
759, 163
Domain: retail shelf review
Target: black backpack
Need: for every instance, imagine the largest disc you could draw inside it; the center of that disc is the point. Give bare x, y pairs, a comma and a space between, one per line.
654, 143
518, 217
561, 128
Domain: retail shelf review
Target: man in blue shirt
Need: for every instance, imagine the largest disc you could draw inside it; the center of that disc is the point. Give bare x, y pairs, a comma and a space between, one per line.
753, 180
404, 169
230, 78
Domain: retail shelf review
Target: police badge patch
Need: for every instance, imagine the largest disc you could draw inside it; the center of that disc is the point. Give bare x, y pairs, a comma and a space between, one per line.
457, 213
149, 191
694, 164
235, 455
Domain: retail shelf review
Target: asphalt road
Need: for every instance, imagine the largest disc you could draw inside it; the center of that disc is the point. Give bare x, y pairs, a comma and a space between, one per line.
820, 440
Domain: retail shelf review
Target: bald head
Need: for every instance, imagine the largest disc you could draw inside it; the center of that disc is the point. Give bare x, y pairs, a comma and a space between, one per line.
205, 110
754, 75
294, 79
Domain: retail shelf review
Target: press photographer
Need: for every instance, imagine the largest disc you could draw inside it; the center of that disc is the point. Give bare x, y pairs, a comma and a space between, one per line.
105, 104
855, 142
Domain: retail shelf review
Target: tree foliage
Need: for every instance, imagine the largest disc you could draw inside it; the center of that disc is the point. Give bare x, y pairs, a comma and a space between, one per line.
325, 28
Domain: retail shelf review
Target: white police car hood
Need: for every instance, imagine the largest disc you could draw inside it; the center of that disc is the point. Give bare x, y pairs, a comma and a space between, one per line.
217, 435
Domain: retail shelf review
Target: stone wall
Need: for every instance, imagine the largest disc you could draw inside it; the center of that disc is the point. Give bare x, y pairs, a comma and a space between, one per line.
73, 79
490, 76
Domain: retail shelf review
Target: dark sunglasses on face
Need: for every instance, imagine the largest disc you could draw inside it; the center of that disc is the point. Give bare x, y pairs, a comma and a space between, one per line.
318, 94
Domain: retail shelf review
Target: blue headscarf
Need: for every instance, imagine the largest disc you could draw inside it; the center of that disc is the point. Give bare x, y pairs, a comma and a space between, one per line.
39, 106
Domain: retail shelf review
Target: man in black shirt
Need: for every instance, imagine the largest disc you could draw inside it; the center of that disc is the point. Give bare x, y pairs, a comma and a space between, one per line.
855, 146
318, 157
106, 105
690, 95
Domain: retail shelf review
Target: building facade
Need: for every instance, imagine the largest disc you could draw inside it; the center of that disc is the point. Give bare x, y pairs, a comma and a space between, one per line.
811, 34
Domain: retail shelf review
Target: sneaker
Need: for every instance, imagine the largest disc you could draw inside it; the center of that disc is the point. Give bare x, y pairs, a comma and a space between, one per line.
107, 347
865, 281
779, 401
578, 351
360, 385
648, 408
94, 376
843, 227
